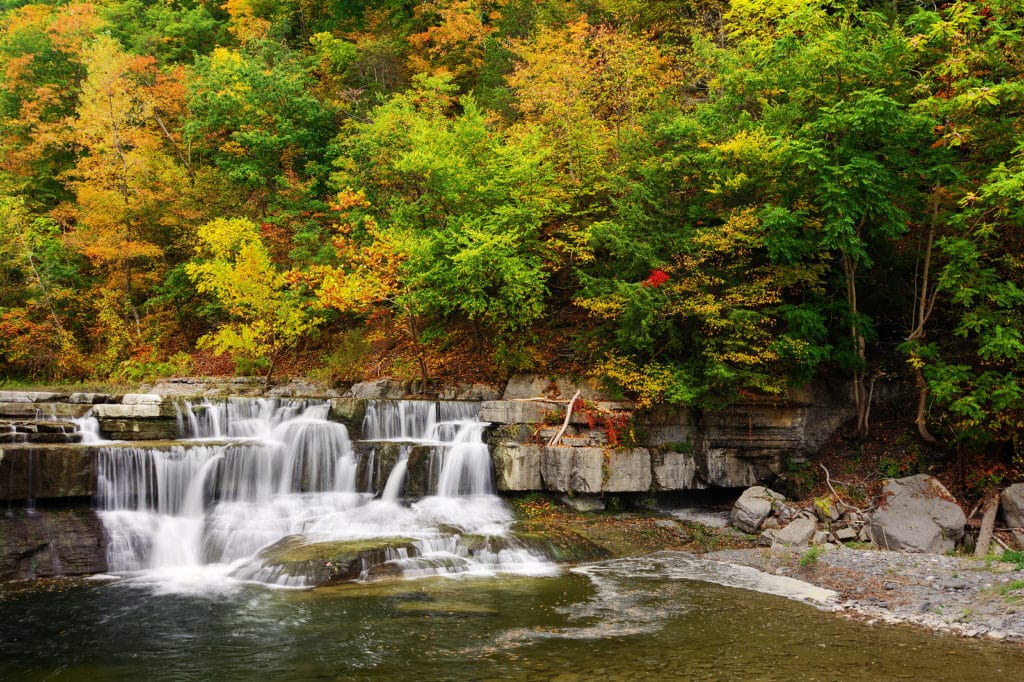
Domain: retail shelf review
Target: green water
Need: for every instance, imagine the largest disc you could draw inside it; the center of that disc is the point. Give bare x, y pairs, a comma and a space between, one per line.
624, 621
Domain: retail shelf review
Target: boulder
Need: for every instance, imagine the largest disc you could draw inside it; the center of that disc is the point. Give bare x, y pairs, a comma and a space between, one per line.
381, 389
845, 534
917, 514
1011, 503
755, 505
828, 508
798, 533
294, 560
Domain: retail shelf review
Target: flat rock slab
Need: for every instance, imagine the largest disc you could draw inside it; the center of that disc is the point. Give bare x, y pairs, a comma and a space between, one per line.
798, 533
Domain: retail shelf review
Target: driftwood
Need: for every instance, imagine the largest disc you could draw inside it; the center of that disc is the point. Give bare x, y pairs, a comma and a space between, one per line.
565, 424
538, 400
988, 522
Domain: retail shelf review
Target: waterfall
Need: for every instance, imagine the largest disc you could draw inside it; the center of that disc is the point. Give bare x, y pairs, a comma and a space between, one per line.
191, 503
250, 472
89, 428
393, 488
452, 429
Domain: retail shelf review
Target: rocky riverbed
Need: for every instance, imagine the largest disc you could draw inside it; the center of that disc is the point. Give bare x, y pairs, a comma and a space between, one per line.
982, 598
966, 596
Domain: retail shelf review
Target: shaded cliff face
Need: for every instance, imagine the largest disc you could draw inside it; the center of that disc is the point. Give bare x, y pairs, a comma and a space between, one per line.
51, 543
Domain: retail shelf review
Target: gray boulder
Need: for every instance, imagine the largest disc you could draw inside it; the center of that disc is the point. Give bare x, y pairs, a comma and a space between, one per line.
798, 533
917, 514
755, 505
1012, 504
381, 389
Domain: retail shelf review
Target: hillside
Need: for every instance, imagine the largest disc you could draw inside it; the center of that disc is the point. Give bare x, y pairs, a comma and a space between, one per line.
695, 199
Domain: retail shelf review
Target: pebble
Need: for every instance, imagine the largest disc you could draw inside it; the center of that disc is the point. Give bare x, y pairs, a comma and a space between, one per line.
942, 592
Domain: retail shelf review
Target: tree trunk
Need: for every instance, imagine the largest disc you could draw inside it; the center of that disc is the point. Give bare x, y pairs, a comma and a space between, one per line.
925, 296
423, 373
270, 370
988, 521
922, 404
860, 393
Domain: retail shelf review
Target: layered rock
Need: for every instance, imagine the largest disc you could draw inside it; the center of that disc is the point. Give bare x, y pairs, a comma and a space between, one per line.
51, 543
30, 472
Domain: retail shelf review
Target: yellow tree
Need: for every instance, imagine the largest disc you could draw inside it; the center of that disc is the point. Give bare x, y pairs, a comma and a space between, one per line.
128, 180
266, 317
588, 86
454, 43
41, 61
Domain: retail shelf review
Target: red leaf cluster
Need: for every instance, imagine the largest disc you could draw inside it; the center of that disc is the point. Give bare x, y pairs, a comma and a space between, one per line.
656, 278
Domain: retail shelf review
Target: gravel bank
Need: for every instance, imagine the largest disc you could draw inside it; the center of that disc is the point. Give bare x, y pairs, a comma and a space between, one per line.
965, 596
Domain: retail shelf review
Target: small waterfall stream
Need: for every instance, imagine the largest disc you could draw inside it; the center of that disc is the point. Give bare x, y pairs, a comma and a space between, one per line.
248, 473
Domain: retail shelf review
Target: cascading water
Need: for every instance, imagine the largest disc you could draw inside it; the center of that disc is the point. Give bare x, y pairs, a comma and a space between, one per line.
460, 462
256, 471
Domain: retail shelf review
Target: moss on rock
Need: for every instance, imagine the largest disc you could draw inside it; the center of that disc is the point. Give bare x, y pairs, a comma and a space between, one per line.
327, 563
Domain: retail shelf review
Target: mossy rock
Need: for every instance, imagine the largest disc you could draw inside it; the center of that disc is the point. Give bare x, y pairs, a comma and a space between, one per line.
563, 546
328, 563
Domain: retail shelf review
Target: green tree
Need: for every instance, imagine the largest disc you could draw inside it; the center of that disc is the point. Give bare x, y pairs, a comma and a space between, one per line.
255, 116
470, 205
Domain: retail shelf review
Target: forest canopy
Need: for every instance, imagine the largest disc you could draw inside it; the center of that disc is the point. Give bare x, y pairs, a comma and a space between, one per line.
695, 199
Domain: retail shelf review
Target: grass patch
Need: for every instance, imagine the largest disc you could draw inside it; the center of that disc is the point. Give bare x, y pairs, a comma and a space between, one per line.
111, 388
1012, 586
1013, 557
811, 556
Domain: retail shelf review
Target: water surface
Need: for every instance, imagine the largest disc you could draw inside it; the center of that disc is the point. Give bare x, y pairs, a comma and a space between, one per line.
627, 619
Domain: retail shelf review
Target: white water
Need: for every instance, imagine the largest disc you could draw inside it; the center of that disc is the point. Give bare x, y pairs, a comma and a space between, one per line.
89, 427
194, 514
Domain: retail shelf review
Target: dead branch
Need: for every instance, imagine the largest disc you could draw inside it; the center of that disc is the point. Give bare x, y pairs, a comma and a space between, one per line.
565, 424
828, 482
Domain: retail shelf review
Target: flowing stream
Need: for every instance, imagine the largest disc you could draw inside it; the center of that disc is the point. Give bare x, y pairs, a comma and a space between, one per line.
193, 515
